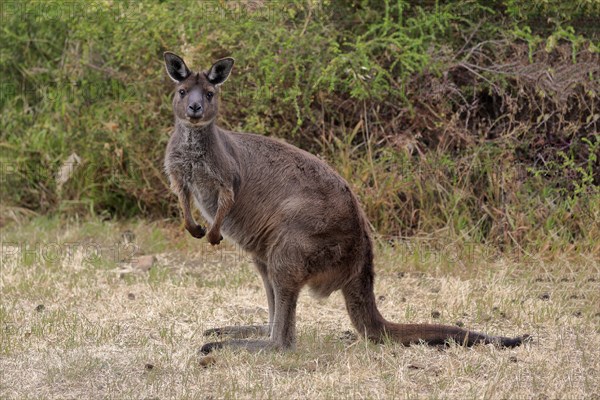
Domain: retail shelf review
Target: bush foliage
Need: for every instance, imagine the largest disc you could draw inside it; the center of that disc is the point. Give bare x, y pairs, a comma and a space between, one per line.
474, 119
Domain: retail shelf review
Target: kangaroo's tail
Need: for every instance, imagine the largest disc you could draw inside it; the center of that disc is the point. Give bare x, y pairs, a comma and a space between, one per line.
360, 303
441, 334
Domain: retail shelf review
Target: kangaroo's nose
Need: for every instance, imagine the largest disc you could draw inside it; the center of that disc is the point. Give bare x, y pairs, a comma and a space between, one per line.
195, 108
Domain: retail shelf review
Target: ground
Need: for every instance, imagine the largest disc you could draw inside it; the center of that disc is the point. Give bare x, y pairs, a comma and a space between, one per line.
83, 314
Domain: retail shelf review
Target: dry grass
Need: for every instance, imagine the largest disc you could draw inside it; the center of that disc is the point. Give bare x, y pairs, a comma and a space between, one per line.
109, 330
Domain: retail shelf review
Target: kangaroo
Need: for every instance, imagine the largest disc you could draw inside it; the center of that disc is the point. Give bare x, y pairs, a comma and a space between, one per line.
289, 210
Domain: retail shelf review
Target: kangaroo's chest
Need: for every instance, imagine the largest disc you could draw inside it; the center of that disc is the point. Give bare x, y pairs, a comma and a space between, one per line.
190, 164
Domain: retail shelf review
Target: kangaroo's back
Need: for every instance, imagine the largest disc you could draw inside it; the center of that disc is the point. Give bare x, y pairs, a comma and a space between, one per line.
287, 191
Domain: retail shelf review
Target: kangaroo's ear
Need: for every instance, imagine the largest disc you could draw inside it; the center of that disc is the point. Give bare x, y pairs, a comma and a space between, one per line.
176, 68
220, 70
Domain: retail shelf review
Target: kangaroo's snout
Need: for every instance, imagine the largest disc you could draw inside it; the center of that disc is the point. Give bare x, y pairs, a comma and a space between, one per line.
194, 110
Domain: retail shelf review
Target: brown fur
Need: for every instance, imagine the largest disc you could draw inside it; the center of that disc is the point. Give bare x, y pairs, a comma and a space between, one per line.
291, 211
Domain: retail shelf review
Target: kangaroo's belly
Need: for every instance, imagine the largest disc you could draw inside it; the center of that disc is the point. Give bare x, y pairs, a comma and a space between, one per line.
208, 216
206, 198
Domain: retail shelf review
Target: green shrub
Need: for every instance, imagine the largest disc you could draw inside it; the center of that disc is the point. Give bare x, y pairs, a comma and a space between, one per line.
435, 113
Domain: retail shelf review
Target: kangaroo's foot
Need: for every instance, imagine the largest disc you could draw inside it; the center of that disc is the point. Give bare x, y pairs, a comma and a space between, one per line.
240, 332
253, 346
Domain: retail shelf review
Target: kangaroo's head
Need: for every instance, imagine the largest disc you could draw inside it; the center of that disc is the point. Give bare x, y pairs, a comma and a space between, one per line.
196, 96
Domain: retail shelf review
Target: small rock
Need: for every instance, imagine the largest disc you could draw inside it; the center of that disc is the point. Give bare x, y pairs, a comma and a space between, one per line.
311, 366
144, 263
131, 296
207, 361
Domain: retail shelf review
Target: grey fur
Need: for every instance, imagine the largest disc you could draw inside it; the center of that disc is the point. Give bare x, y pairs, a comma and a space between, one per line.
290, 210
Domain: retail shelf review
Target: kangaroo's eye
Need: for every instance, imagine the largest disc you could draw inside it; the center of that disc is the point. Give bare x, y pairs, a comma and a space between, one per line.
182, 92
209, 95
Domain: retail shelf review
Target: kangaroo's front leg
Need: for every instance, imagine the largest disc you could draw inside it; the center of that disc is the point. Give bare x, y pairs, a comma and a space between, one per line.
183, 194
224, 204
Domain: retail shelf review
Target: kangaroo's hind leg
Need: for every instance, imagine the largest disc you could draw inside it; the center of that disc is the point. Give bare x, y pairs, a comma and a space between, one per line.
283, 329
245, 331
285, 289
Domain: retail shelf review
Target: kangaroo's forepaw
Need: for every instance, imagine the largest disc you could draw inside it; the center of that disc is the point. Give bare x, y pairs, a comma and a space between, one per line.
196, 231
214, 238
